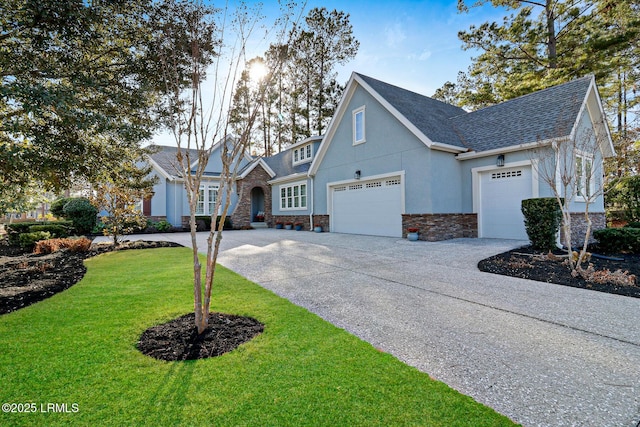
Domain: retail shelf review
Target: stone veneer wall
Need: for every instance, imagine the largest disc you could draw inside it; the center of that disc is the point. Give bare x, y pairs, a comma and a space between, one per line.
435, 227
293, 219
241, 216
579, 227
322, 221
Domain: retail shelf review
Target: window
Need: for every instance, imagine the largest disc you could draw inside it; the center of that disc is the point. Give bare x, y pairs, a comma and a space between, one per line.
207, 196
302, 154
358, 126
293, 197
584, 177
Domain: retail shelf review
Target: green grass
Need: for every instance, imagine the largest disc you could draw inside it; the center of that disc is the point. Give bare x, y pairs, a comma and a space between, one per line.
79, 347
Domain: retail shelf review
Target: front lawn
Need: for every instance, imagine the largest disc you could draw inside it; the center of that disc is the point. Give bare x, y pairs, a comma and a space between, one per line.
73, 359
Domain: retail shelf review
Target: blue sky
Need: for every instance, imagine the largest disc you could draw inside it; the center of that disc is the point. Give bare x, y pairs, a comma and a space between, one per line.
408, 43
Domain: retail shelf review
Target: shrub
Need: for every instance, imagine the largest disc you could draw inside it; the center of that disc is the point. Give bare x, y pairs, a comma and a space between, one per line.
542, 218
57, 207
163, 226
56, 230
207, 222
15, 230
81, 244
82, 213
617, 240
633, 225
28, 240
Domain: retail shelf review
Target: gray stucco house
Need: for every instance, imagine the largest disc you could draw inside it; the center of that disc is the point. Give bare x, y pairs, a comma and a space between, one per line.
392, 159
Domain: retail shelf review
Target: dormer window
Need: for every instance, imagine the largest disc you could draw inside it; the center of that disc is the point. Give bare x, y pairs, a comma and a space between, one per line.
302, 154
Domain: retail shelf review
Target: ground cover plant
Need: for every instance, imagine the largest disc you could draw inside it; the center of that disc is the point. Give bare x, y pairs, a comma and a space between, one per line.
80, 347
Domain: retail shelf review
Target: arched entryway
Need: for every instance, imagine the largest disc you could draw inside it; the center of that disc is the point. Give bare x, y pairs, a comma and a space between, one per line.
257, 204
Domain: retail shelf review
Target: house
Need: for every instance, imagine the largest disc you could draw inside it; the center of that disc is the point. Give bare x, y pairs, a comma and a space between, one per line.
392, 159
169, 198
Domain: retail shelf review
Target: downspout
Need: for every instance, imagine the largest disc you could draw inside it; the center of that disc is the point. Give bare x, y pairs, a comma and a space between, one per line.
311, 197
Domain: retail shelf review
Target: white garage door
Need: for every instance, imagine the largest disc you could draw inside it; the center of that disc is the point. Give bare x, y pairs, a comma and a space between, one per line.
368, 207
501, 194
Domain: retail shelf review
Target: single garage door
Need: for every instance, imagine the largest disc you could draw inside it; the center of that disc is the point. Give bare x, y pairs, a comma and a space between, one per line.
501, 194
368, 207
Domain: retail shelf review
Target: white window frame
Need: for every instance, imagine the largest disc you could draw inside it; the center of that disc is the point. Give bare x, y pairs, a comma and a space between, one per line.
291, 197
582, 159
204, 199
359, 139
303, 154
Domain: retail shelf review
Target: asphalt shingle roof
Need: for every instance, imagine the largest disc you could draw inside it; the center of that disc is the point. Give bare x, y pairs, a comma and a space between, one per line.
165, 157
534, 117
429, 115
549, 113
282, 164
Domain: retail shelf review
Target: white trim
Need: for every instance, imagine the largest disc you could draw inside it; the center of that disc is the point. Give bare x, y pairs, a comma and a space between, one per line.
354, 127
288, 178
364, 180
292, 185
476, 185
302, 148
262, 163
510, 149
160, 170
310, 139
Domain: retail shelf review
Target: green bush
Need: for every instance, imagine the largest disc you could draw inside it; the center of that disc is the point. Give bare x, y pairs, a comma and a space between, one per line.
633, 225
617, 240
163, 226
82, 213
623, 197
542, 219
57, 207
15, 230
28, 240
56, 230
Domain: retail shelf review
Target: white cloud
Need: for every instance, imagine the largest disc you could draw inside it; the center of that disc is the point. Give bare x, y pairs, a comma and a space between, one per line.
426, 54
395, 35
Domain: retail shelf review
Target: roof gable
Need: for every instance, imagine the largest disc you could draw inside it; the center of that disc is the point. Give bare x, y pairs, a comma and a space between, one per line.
428, 115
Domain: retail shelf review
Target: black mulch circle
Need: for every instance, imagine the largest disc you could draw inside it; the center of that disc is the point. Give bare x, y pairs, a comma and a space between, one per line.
179, 339
520, 263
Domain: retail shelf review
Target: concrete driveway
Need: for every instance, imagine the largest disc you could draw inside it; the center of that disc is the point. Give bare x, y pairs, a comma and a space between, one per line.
542, 354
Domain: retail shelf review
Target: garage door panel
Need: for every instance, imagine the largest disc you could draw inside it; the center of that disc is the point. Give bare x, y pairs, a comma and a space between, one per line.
373, 208
502, 192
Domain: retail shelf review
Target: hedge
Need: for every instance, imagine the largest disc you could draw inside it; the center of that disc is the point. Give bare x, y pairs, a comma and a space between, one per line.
618, 240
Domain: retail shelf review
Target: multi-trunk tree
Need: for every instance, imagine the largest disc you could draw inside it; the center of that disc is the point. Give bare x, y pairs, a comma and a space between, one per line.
214, 42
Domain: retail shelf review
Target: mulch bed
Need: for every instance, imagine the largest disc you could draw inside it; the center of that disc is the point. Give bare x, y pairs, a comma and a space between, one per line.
179, 339
529, 264
27, 278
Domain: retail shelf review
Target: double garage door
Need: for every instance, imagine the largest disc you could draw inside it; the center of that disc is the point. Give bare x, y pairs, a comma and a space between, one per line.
501, 195
372, 207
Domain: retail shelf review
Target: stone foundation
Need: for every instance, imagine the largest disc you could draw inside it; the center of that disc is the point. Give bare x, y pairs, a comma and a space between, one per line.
579, 227
435, 227
322, 221
293, 219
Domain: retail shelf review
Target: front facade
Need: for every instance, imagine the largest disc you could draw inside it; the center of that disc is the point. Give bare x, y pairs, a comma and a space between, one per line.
392, 160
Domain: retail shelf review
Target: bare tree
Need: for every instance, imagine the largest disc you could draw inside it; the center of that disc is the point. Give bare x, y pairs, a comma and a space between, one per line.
572, 168
197, 42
